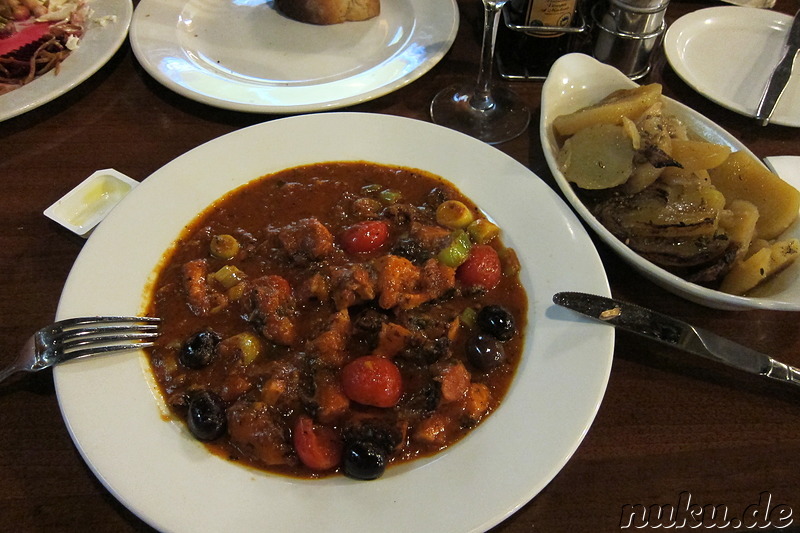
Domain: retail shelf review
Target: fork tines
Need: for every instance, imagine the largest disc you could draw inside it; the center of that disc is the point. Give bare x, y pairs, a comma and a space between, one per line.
104, 334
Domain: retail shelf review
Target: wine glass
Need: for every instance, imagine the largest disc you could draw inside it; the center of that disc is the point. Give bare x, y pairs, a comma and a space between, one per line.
491, 114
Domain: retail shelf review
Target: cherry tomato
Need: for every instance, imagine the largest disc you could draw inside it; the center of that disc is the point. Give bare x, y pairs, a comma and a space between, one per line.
482, 268
318, 447
365, 236
372, 380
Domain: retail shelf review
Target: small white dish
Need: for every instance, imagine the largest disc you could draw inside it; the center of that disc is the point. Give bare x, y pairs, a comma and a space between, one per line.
246, 56
97, 46
85, 206
114, 412
577, 80
728, 53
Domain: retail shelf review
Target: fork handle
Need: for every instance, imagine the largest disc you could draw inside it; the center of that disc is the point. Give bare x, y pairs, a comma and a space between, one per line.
23, 361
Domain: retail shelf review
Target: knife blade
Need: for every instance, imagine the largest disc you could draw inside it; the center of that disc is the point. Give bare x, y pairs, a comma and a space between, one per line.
678, 334
780, 76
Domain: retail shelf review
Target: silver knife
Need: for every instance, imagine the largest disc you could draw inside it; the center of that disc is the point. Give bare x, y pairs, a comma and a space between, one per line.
780, 76
678, 334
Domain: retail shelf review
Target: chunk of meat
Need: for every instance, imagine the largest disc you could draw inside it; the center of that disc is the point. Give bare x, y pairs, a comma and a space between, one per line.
401, 213
330, 346
273, 307
455, 382
437, 278
479, 397
352, 285
259, 432
432, 431
200, 296
429, 236
404, 285
306, 239
315, 287
235, 385
396, 277
282, 387
392, 339
332, 403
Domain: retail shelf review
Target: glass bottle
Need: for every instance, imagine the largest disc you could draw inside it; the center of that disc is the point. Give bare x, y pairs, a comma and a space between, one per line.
535, 50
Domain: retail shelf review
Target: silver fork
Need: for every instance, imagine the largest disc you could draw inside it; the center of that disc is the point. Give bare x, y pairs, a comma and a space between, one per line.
80, 337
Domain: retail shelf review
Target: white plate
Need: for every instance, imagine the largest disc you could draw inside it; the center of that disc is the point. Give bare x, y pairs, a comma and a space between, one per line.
246, 56
170, 480
728, 53
97, 46
577, 80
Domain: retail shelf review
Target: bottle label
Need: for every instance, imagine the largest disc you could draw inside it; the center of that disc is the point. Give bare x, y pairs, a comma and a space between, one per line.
553, 13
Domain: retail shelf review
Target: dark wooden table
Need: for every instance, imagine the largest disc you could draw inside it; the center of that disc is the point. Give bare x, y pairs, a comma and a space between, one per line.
671, 429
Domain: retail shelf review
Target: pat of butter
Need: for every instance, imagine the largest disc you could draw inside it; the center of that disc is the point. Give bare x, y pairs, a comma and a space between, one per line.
85, 206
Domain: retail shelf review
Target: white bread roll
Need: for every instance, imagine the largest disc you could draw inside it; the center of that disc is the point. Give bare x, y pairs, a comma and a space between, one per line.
329, 11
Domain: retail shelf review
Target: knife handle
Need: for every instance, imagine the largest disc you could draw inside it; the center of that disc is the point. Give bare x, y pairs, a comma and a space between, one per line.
783, 372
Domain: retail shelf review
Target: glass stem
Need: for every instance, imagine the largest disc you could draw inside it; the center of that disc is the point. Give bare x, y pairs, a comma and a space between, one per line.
482, 99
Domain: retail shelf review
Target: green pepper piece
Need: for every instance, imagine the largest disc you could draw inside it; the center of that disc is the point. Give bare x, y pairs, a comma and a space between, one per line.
389, 196
457, 251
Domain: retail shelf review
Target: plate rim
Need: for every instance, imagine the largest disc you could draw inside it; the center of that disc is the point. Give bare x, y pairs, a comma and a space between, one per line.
671, 282
674, 53
593, 350
140, 48
92, 54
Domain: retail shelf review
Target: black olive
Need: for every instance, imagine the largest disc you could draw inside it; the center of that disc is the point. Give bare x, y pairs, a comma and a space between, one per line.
364, 460
206, 417
199, 349
496, 321
485, 351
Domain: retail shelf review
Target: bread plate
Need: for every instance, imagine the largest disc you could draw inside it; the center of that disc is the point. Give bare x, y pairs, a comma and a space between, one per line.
247, 56
577, 80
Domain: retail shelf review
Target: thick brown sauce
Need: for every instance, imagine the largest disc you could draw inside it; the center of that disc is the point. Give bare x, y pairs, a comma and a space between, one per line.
285, 382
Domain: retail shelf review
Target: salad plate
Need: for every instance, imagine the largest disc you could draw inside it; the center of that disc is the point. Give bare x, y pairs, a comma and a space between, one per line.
577, 80
728, 53
247, 56
99, 43
115, 414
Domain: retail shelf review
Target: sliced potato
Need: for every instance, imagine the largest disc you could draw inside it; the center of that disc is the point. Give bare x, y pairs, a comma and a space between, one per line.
677, 175
699, 155
653, 129
632, 131
676, 128
597, 157
643, 176
688, 206
739, 223
756, 245
623, 103
748, 274
741, 177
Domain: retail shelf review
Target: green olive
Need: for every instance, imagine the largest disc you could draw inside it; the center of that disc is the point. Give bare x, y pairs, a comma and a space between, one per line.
224, 246
453, 214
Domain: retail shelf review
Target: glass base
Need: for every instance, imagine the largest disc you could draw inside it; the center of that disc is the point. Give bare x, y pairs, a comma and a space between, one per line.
505, 118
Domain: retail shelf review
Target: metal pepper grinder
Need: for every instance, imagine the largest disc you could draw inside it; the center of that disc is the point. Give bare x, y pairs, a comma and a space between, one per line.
627, 32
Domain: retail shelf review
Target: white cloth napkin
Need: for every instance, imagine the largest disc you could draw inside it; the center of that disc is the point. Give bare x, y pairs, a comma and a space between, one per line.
785, 166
